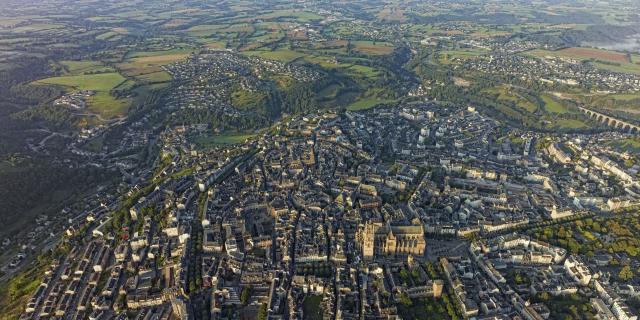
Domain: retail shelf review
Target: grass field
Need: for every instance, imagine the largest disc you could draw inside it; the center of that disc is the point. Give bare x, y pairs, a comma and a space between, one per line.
147, 66
14, 295
363, 71
623, 96
14, 40
109, 35
155, 77
85, 66
367, 103
372, 47
552, 105
446, 56
215, 45
37, 27
505, 94
324, 61
284, 55
569, 124
102, 102
171, 52
623, 68
113, 34
216, 140
243, 98
300, 16
204, 30
208, 30
626, 145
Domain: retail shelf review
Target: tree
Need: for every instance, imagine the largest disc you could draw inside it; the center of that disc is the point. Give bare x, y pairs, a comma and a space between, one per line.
404, 276
405, 300
262, 312
245, 295
544, 296
626, 273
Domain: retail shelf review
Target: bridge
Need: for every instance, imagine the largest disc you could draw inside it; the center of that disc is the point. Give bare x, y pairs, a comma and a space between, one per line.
611, 121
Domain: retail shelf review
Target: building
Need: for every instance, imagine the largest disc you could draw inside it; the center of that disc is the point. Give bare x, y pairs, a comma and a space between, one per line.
377, 238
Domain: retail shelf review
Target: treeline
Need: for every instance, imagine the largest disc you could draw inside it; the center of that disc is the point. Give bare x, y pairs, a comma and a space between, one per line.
34, 184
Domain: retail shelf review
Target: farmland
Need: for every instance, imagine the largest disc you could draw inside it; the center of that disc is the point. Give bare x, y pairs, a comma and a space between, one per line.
597, 54
601, 59
103, 102
146, 66
84, 67
372, 47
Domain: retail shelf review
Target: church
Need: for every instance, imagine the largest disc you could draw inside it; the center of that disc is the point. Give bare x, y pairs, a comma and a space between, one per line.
380, 239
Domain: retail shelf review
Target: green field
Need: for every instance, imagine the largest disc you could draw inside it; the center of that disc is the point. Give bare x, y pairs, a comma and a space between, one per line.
217, 140
284, 55
367, 103
110, 35
552, 105
155, 53
300, 16
446, 56
146, 66
372, 47
83, 67
204, 30
363, 71
155, 77
623, 68
506, 94
244, 98
569, 124
16, 293
37, 27
625, 97
208, 30
102, 102
626, 145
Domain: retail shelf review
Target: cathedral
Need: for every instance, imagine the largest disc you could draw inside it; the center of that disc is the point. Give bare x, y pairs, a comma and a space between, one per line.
379, 239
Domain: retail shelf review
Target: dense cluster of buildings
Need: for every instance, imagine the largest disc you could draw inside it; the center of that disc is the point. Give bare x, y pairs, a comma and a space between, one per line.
209, 83
556, 70
334, 212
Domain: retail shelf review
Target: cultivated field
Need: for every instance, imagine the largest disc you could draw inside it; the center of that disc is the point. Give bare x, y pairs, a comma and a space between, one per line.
601, 59
372, 47
597, 54
147, 66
